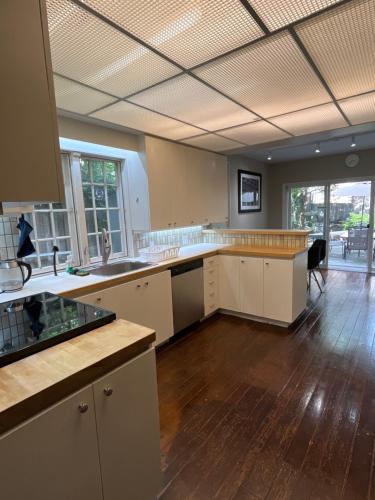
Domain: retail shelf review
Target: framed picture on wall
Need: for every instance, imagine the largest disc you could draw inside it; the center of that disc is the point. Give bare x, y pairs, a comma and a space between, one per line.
249, 191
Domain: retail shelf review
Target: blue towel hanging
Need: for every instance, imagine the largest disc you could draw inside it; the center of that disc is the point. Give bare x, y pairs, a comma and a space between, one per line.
25, 246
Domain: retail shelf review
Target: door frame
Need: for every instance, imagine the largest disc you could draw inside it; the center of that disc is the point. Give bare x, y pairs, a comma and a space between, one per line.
327, 184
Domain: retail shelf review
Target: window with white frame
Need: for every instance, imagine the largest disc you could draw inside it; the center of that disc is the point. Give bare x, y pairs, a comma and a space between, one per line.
103, 206
93, 202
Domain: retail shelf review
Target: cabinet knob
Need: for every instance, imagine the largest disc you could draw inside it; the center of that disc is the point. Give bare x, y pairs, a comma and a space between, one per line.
242, 262
138, 286
108, 391
98, 299
83, 407
267, 263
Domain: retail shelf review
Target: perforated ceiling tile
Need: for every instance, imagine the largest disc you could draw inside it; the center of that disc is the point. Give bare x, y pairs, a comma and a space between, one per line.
254, 133
189, 100
189, 32
88, 50
213, 142
311, 120
283, 12
129, 115
74, 97
270, 77
342, 44
360, 109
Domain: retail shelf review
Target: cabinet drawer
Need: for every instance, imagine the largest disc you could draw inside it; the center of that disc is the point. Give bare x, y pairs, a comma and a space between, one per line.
210, 308
210, 262
211, 295
210, 275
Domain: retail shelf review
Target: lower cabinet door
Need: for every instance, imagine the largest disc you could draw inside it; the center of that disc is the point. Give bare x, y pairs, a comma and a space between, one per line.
229, 286
278, 289
53, 455
251, 285
127, 415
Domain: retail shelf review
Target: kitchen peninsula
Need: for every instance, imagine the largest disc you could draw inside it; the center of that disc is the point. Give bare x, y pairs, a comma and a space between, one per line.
64, 425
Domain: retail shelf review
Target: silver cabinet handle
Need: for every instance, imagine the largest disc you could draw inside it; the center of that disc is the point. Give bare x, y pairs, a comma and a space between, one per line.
108, 391
83, 407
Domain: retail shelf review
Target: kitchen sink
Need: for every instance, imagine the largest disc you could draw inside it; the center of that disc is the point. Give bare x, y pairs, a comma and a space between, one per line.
118, 268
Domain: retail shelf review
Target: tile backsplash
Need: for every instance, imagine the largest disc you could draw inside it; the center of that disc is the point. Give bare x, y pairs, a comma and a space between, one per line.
181, 236
255, 240
8, 237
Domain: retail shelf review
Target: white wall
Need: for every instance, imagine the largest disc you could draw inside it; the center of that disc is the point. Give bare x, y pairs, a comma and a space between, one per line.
257, 220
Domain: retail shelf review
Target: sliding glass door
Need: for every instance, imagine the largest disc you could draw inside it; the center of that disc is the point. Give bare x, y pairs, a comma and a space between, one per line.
307, 209
349, 225
342, 214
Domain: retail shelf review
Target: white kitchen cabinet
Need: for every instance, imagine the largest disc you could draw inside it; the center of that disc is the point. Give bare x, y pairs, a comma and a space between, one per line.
274, 289
128, 430
229, 282
278, 289
251, 286
146, 301
29, 136
173, 185
53, 455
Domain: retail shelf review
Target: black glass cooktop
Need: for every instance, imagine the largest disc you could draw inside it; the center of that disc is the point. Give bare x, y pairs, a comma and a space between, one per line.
34, 323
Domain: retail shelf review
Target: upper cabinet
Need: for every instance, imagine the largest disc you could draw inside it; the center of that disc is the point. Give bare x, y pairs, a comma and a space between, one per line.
30, 163
172, 185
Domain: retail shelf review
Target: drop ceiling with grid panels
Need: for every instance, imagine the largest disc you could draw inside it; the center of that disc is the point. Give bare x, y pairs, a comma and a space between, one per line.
216, 74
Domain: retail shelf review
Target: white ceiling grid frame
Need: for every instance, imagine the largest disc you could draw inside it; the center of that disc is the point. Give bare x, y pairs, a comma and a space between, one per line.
72, 96
90, 51
359, 109
188, 32
132, 116
309, 121
212, 142
342, 45
254, 133
189, 100
281, 13
270, 77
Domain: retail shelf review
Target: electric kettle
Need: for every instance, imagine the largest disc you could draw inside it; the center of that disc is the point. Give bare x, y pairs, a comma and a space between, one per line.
12, 276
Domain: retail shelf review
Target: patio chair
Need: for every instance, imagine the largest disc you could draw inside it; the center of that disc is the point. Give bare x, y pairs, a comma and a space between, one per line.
357, 241
315, 255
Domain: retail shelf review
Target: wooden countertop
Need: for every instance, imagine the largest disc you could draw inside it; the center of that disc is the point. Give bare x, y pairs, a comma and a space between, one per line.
248, 251
245, 250
271, 232
36, 382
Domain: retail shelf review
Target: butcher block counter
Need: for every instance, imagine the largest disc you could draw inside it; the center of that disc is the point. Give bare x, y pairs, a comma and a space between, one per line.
269, 252
37, 381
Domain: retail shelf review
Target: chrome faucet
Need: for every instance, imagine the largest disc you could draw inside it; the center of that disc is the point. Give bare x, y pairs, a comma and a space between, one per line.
106, 246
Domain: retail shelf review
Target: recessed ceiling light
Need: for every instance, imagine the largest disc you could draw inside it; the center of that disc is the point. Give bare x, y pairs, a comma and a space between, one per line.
317, 148
269, 156
353, 143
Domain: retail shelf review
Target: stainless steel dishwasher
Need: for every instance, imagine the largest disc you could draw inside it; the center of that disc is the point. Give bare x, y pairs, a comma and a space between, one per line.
187, 294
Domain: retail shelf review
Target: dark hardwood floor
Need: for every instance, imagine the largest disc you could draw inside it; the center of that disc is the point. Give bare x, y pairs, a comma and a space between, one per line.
252, 411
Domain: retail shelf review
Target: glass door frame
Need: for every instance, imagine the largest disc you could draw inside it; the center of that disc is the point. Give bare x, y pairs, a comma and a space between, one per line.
286, 215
